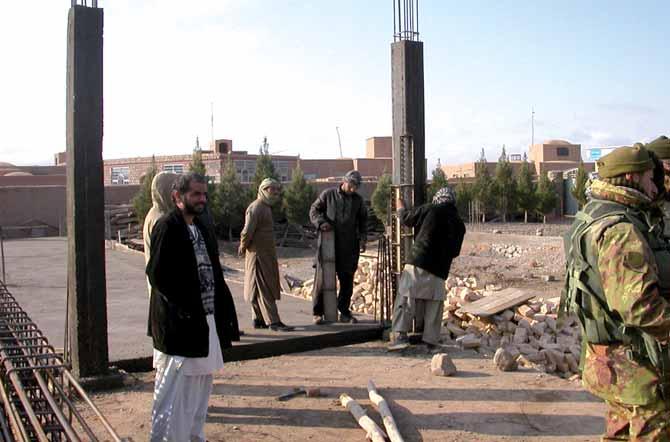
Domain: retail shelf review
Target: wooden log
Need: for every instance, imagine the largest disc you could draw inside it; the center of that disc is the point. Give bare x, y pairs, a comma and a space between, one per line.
385, 411
374, 433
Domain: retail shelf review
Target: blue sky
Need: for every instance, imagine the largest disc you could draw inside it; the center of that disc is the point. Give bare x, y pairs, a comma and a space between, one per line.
596, 73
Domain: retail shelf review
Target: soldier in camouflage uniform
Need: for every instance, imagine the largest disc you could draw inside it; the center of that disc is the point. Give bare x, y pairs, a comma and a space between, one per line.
617, 277
661, 147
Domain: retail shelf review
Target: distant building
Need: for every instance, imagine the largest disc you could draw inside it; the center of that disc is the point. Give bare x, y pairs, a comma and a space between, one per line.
549, 156
129, 171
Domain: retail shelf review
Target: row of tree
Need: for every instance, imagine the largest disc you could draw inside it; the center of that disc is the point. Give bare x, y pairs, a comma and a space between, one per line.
504, 193
229, 199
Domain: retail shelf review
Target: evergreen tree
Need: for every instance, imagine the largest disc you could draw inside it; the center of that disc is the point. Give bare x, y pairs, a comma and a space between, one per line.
298, 197
464, 196
142, 201
439, 181
265, 168
231, 199
482, 191
545, 196
525, 190
197, 165
581, 180
504, 187
381, 197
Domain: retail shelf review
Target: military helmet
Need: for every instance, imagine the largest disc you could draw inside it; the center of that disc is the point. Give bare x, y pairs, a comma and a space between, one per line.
660, 146
626, 159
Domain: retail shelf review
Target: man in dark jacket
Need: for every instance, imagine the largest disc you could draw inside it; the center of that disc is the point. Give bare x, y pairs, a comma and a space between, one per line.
439, 236
191, 314
343, 210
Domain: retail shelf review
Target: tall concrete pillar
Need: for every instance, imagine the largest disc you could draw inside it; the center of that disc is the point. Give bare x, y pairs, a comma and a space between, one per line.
408, 117
87, 301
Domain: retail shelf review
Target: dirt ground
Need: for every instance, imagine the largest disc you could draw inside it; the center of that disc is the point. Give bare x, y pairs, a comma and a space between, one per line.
478, 404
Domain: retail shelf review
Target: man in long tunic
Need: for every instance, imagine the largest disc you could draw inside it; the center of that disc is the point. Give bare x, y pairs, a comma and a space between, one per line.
421, 291
262, 288
342, 210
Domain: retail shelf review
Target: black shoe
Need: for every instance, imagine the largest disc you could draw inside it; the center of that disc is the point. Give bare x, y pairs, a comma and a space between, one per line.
259, 323
348, 318
280, 326
318, 320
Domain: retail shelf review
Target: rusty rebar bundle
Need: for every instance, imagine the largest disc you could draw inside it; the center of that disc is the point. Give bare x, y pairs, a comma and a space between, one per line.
40, 400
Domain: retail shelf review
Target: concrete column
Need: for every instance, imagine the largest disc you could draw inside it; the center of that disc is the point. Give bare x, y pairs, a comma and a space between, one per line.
87, 304
408, 111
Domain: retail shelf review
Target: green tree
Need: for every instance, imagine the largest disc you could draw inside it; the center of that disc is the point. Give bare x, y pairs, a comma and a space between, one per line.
525, 190
298, 197
483, 186
504, 187
142, 201
231, 199
581, 180
381, 197
439, 181
546, 196
197, 165
464, 196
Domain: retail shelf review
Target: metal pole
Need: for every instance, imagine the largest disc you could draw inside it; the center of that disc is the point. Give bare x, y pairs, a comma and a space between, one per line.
2, 252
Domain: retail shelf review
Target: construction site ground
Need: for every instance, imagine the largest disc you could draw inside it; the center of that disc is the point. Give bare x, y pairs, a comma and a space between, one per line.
479, 403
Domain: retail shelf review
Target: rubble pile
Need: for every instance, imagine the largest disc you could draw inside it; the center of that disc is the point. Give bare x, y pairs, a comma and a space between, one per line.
121, 222
530, 333
507, 250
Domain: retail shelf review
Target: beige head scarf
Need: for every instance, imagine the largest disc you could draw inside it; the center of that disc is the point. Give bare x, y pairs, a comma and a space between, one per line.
263, 193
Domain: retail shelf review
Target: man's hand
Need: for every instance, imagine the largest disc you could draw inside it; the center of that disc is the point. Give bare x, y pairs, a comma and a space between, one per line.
399, 203
362, 246
241, 250
325, 227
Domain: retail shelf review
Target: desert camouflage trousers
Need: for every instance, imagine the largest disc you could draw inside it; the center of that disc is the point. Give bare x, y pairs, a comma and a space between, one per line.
637, 422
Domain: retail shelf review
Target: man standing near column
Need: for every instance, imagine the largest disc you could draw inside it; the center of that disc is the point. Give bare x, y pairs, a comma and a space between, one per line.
343, 210
191, 315
261, 269
439, 236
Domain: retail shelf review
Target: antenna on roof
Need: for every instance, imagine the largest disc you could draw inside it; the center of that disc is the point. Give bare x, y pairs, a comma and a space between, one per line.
339, 140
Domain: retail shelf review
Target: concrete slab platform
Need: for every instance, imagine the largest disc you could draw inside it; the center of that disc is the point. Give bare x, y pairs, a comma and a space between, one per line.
36, 275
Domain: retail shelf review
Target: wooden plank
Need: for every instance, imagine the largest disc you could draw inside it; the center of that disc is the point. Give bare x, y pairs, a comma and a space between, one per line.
497, 302
329, 287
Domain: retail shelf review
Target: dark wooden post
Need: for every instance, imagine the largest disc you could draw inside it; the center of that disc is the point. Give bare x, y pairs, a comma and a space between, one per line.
87, 303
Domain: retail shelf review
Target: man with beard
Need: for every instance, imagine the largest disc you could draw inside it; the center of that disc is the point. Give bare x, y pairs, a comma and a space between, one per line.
191, 314
261, 269
661, 147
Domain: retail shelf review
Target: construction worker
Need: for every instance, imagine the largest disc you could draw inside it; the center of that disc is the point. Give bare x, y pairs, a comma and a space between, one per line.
617, 280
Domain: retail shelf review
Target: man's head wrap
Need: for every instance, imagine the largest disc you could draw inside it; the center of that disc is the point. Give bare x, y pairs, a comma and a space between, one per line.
263, 191
445, 195
353, 177
660, 146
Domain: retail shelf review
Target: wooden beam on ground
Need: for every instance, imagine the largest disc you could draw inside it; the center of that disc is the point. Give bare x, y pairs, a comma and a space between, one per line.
385, 411
497, 302
374, 433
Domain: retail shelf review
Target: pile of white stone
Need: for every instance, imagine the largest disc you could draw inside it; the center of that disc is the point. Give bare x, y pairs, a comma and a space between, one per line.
529, 334
507, 250
363, 297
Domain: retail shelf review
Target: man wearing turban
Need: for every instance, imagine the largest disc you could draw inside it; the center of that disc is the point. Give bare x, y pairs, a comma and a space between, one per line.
261, 270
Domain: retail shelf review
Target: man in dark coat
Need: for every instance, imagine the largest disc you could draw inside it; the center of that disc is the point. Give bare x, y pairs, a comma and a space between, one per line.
439, 235
191, 314
342, 210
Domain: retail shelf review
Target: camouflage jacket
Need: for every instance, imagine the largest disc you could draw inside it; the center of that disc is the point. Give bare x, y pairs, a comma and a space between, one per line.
632, 272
